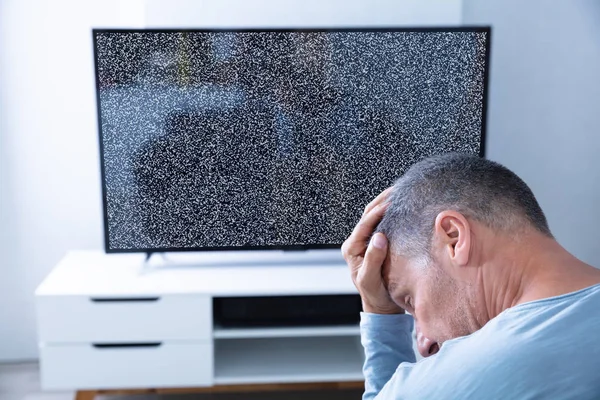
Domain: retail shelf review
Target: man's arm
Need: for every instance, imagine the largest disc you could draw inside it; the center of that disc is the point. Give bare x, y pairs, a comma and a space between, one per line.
385, 330
387, 342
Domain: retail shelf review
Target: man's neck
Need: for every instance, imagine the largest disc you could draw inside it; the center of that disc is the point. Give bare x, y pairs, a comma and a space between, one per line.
531, 267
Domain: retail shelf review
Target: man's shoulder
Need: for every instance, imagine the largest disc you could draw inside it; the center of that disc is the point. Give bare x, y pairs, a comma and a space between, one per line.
510, 358
528, 340
532, 333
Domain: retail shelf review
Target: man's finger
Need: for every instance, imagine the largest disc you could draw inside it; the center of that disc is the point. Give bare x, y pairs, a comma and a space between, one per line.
377, 200
355, 245
367, 224
357, 242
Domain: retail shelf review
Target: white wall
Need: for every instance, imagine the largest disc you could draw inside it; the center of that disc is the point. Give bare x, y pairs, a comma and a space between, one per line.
49, 170
277, 13
544, 114
50, 190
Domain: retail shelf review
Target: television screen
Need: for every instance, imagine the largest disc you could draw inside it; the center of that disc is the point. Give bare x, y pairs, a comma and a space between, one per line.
273, 139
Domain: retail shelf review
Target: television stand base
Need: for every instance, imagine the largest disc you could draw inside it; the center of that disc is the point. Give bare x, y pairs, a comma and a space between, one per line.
242, 258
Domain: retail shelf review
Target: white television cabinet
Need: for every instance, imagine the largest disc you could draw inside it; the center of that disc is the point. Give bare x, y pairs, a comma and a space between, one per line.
109, 322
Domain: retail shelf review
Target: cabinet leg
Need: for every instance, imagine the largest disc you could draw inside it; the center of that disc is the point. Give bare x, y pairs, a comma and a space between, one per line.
85, 395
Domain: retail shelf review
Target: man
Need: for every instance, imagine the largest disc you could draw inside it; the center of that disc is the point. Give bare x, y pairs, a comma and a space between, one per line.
502, 311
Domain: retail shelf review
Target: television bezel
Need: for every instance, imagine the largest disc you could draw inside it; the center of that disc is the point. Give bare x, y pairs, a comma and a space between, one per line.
95, 31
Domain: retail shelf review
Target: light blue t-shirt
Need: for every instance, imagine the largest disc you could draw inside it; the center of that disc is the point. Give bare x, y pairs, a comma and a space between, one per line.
543, 349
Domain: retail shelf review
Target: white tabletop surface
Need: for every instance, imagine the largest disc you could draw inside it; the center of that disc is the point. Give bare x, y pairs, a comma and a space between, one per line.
94, 273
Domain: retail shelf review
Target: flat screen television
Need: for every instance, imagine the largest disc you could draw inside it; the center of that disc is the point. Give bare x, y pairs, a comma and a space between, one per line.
221, 139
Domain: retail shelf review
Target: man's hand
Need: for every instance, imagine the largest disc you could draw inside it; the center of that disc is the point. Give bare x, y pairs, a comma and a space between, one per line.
365, 262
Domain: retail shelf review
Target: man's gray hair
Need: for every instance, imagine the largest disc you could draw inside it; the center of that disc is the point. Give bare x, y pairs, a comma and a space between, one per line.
479, 189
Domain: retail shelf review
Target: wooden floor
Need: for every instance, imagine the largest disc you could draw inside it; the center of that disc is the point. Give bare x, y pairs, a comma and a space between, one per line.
22, 382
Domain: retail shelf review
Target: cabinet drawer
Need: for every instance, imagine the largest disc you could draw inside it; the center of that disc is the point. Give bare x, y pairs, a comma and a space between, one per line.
151, 365
81, 319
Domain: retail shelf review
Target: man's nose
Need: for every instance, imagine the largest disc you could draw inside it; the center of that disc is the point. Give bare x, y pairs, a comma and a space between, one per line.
426, 346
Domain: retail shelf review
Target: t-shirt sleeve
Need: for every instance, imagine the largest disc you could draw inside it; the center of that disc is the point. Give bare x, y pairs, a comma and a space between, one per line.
387, 341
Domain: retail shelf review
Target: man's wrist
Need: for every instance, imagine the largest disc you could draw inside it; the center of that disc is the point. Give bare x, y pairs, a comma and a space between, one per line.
387, 310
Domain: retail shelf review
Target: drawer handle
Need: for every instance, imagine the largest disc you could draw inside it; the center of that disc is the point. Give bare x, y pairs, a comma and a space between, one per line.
125, 345
124, 299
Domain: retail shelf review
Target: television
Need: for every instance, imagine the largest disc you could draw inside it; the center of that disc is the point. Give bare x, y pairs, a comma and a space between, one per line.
237, 139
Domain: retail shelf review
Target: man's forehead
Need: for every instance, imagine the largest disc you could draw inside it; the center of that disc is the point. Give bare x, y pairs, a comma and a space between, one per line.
394, 271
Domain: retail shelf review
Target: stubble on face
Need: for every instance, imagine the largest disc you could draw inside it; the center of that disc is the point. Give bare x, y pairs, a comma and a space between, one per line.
444, 307
452, 303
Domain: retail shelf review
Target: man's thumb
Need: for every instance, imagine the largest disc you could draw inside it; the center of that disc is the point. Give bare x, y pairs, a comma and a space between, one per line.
375, 256
379, 241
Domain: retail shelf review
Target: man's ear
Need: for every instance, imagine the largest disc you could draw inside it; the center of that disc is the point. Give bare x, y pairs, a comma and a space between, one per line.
454, 234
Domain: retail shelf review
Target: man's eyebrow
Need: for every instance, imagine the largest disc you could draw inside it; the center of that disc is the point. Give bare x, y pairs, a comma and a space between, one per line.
391, 287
